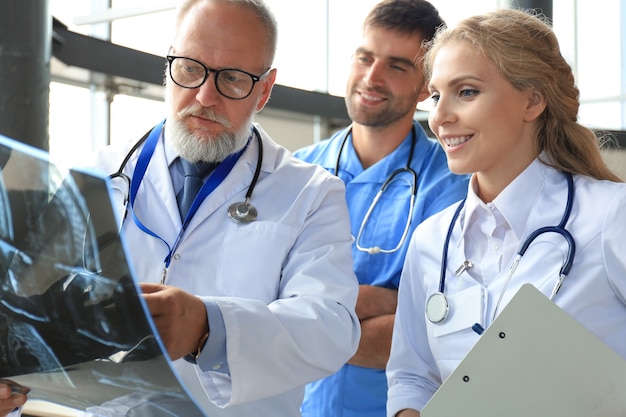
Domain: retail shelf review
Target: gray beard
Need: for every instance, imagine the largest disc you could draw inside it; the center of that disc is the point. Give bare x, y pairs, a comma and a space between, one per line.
196, 147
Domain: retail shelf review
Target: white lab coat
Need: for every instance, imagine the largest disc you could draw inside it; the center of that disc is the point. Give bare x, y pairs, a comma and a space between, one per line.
283, 283
424, 354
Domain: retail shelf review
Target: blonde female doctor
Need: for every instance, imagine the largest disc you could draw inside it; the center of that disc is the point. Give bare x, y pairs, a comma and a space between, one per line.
505, 110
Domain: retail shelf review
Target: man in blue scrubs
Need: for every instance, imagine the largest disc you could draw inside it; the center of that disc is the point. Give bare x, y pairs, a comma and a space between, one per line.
385, 84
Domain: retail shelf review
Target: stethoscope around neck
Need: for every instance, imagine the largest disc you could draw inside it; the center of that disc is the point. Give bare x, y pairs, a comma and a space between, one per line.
437, 306
240, 212
372, 250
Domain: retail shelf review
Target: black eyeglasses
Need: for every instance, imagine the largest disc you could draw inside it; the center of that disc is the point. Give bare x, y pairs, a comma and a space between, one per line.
232, 83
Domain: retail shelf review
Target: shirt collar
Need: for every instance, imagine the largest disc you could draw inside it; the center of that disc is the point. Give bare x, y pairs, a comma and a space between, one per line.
515, 203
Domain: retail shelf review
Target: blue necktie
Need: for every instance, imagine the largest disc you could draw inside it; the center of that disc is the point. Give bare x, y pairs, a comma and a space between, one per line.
194, 174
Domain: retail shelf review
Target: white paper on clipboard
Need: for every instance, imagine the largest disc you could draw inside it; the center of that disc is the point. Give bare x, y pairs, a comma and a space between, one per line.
535, 359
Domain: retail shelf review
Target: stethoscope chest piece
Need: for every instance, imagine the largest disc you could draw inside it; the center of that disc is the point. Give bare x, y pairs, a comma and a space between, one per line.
243, 212
437, 307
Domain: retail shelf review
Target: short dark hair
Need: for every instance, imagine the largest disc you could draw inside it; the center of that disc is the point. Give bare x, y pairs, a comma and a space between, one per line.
406, 16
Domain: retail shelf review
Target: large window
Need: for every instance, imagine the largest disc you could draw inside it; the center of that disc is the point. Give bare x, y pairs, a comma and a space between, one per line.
601, 77
316, 40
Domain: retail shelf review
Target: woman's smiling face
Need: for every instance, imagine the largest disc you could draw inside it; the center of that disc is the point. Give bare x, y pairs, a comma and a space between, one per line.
485, 124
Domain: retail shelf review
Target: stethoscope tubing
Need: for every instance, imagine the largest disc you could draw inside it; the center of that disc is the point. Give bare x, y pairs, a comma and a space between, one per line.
390, 178
128, 181
344, 140
559, 229
120, 171
243, 212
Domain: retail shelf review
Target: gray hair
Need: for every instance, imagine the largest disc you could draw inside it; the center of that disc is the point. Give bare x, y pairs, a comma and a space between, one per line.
262, 11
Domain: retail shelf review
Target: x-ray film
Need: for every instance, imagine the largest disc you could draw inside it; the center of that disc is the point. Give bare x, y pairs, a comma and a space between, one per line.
73, 327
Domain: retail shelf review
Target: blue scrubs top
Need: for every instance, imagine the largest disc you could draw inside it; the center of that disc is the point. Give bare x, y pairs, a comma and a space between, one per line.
353, 390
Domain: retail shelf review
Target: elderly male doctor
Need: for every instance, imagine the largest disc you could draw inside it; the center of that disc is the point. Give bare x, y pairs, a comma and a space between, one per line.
275, 295
250, 311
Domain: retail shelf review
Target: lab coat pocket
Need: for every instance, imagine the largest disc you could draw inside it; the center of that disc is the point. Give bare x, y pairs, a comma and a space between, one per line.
251, 261
466, 309
453, 338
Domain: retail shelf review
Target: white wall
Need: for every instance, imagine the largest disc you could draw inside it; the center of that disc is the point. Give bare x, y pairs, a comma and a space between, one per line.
293, 130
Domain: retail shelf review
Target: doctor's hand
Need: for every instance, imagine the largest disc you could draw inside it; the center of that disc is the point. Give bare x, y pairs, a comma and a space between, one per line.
180, 318
9, 401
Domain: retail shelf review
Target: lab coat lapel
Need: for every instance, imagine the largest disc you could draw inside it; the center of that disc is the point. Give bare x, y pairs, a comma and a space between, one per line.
156, 195
456, 258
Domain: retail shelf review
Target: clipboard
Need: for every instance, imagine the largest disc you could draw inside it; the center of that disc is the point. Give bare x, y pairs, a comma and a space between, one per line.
535, 359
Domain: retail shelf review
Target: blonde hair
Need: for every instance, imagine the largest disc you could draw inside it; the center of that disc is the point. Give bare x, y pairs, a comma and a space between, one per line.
526, 52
